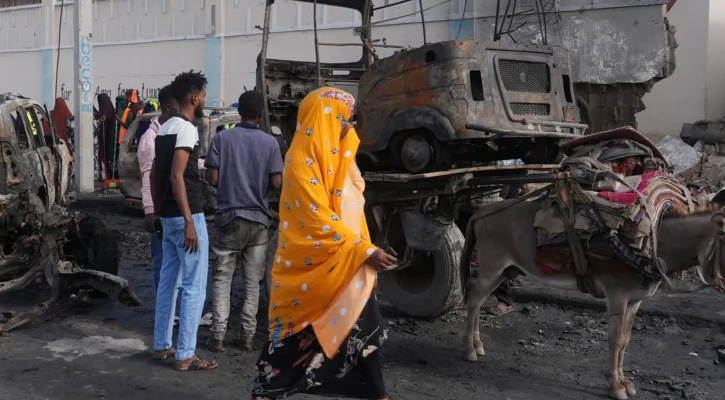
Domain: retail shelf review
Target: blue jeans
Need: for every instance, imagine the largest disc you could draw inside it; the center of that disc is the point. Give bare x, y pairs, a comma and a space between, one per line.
157, 258
192, 270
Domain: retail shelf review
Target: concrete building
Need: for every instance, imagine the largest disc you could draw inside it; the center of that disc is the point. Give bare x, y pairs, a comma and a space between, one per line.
144, 43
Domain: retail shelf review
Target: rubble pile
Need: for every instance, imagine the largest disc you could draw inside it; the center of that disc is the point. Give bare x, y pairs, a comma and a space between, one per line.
697, 158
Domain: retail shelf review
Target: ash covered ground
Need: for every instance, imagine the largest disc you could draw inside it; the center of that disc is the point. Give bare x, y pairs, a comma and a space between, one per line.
552, 346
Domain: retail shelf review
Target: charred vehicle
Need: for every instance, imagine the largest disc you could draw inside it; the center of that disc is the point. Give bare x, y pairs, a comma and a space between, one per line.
214, 120
40, 238
433, 122
442, 105
449, 103
34, 157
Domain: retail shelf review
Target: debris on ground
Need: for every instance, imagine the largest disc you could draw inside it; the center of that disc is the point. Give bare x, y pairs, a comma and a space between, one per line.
710, 132
679, 155
697, 158
407, 325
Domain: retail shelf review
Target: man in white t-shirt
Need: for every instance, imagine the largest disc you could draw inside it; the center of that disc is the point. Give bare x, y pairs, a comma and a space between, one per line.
176, 191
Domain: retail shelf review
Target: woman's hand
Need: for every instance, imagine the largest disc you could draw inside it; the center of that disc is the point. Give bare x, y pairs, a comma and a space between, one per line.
381, 260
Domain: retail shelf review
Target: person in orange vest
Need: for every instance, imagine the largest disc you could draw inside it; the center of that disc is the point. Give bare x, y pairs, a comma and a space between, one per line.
133, 109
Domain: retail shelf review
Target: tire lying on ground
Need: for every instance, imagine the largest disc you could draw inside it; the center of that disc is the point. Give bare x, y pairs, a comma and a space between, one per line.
431, 286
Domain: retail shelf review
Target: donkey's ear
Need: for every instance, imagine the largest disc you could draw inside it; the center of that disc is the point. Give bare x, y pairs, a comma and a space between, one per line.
719, 220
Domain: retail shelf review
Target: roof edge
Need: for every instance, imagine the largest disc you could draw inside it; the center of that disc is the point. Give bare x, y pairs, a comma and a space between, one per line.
351, 4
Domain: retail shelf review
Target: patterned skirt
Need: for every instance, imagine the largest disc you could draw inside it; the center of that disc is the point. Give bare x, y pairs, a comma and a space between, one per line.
297, 364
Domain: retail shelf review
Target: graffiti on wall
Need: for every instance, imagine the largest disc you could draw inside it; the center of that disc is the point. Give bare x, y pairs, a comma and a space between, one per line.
86, 74
144, 92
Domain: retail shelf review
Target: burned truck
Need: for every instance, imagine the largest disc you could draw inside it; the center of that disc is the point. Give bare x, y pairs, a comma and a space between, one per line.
434, 122
439, 106
42, 240
437, 121
456, 103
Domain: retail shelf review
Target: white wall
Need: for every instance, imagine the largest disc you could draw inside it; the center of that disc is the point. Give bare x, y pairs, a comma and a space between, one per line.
144, 43
682, 97
715, 88
21, 64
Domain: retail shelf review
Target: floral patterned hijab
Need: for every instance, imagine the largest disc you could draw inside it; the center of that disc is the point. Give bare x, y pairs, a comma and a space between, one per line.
320, 259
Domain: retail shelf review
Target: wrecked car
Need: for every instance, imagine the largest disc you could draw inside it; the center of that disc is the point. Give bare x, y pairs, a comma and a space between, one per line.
214, 120
34, 157
40, 238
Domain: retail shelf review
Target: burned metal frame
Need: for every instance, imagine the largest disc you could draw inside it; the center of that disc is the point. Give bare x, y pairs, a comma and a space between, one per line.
40, 238
545, 14
363, 6
40, 253
461, 183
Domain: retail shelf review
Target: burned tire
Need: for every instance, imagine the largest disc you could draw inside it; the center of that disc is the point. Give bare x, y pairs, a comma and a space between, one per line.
431, 286
415, 151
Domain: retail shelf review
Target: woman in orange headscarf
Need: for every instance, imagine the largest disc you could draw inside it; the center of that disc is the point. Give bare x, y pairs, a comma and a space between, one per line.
325, 326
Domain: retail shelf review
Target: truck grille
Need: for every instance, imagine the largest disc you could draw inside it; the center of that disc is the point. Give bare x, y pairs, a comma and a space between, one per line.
530, 109
525, 76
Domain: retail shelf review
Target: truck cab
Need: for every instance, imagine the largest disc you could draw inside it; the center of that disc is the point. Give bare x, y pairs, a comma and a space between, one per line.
450, 103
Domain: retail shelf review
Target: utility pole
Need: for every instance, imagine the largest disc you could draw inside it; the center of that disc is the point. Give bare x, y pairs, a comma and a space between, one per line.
83, 95
49, 53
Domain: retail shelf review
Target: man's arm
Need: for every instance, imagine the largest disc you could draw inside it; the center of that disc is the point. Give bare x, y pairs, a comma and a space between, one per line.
276, 181
213, 177
155, 195
276, 166
178, 166
212, 161
146, 154
146, 162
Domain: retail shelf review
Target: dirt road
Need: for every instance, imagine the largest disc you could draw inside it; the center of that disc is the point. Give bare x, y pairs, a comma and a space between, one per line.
553, 346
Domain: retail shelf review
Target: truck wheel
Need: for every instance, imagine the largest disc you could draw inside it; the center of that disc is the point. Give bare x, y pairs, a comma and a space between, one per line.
412, 152
432, 285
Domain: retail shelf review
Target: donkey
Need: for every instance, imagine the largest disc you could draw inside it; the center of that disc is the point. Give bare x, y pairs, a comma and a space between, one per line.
507, 244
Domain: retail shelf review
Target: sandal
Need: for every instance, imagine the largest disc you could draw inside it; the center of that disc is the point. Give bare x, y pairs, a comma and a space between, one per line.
160, 355
195, 364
